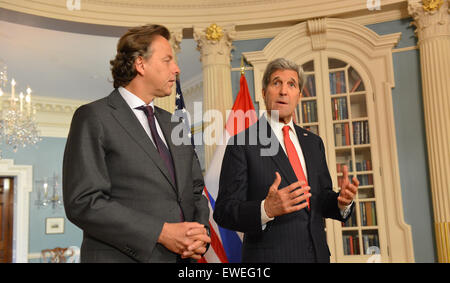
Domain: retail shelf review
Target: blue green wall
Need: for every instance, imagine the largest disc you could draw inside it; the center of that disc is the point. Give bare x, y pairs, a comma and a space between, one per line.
411, 139
46, 158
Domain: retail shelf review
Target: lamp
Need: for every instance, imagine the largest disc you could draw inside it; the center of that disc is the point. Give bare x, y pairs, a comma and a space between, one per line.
17, 121
49, 192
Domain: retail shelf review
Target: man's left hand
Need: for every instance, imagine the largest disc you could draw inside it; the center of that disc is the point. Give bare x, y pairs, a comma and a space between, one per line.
198, 247
348, 190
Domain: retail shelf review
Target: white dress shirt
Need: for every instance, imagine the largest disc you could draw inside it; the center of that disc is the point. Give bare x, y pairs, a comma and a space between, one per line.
133, 101
277, 128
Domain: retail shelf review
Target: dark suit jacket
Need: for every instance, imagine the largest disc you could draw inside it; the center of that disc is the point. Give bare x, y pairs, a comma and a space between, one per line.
117, 189
244, 182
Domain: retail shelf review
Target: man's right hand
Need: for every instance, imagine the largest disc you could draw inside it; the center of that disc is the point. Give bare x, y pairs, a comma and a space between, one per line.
285, 200
175, 237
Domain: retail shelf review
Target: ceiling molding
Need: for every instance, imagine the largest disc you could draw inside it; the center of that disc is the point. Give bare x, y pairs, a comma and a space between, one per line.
191, 13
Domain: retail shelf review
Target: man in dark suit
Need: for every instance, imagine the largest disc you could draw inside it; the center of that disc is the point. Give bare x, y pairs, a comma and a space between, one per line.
135, 194
275, 185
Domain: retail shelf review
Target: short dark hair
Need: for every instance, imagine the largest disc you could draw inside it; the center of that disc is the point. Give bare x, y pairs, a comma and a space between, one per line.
131, 45
283, 64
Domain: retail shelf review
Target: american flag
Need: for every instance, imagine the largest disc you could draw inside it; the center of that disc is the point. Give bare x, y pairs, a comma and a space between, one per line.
180, 110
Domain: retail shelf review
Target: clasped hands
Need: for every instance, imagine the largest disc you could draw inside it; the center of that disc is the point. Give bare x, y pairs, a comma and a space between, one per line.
188, 239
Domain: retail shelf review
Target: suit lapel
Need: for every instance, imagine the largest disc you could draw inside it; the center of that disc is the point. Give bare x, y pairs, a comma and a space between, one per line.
280, 159
305, 144
126, 118
304, 139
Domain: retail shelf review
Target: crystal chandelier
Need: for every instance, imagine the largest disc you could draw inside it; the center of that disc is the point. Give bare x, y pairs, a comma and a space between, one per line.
17, 121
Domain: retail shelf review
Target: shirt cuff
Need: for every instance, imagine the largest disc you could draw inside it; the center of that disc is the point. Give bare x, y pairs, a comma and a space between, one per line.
346, 210
264, 217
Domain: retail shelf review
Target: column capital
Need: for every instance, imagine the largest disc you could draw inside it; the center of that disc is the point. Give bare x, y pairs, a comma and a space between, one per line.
176, 36
431, 17
214, 43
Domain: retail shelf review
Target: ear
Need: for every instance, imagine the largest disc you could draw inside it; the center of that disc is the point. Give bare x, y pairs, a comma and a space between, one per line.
139, 65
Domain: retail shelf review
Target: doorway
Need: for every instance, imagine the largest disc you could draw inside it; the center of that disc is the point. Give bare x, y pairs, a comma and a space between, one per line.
6, 219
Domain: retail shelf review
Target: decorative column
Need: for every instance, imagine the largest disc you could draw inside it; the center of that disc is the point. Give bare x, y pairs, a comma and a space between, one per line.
215, 45
432, 19
168, 103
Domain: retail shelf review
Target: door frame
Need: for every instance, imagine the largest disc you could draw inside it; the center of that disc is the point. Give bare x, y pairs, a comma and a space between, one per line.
23, 186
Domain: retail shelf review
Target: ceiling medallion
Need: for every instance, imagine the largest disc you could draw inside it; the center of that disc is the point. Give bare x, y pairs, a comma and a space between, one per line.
432, 5
214, 32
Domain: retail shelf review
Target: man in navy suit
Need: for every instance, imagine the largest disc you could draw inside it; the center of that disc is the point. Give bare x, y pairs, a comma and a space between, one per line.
280, 199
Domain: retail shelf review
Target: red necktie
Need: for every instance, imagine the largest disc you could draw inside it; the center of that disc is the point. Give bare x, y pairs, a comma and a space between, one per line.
293, 158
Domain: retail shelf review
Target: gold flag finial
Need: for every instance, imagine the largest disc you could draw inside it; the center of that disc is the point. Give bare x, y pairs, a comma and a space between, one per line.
242, 65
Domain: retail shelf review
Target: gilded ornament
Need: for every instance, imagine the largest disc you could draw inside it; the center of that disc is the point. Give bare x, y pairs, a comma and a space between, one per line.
432, 5
214, 32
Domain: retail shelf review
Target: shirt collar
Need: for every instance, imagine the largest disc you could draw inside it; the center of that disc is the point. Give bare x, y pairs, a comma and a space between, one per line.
277, 125
132, 100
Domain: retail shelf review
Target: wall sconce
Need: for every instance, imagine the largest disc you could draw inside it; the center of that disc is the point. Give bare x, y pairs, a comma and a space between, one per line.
49, 192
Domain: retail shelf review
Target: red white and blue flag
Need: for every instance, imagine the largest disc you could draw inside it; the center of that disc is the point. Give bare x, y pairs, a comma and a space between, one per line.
226, 245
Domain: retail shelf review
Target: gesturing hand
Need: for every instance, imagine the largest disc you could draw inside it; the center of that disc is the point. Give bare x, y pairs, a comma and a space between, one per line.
285, 200
348, 190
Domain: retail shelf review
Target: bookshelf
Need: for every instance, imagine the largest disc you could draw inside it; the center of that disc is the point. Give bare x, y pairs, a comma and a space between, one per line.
347, 96
347, 101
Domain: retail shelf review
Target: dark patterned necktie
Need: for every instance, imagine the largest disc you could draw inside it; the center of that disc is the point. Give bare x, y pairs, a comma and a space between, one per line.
160, 146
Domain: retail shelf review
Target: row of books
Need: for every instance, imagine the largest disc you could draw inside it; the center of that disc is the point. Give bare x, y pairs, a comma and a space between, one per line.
309, 111
337, 82
341, 134
361, 132
351, 243
370, 240
309, 90
368, 214
364, 165
339, 106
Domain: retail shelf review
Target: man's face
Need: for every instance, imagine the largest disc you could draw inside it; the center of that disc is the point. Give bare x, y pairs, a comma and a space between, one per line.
160, 68
282, 94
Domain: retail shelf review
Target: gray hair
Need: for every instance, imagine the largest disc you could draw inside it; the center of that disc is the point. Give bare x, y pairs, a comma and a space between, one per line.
283, 64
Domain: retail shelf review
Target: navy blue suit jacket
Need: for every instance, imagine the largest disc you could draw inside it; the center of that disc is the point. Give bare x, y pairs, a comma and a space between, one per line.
244, 182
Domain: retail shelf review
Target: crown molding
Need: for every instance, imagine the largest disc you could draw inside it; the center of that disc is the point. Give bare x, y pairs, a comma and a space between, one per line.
191, 13
386, 14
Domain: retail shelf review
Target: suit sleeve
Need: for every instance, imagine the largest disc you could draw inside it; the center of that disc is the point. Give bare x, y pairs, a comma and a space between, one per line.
87, 191
328, 197
232, 209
